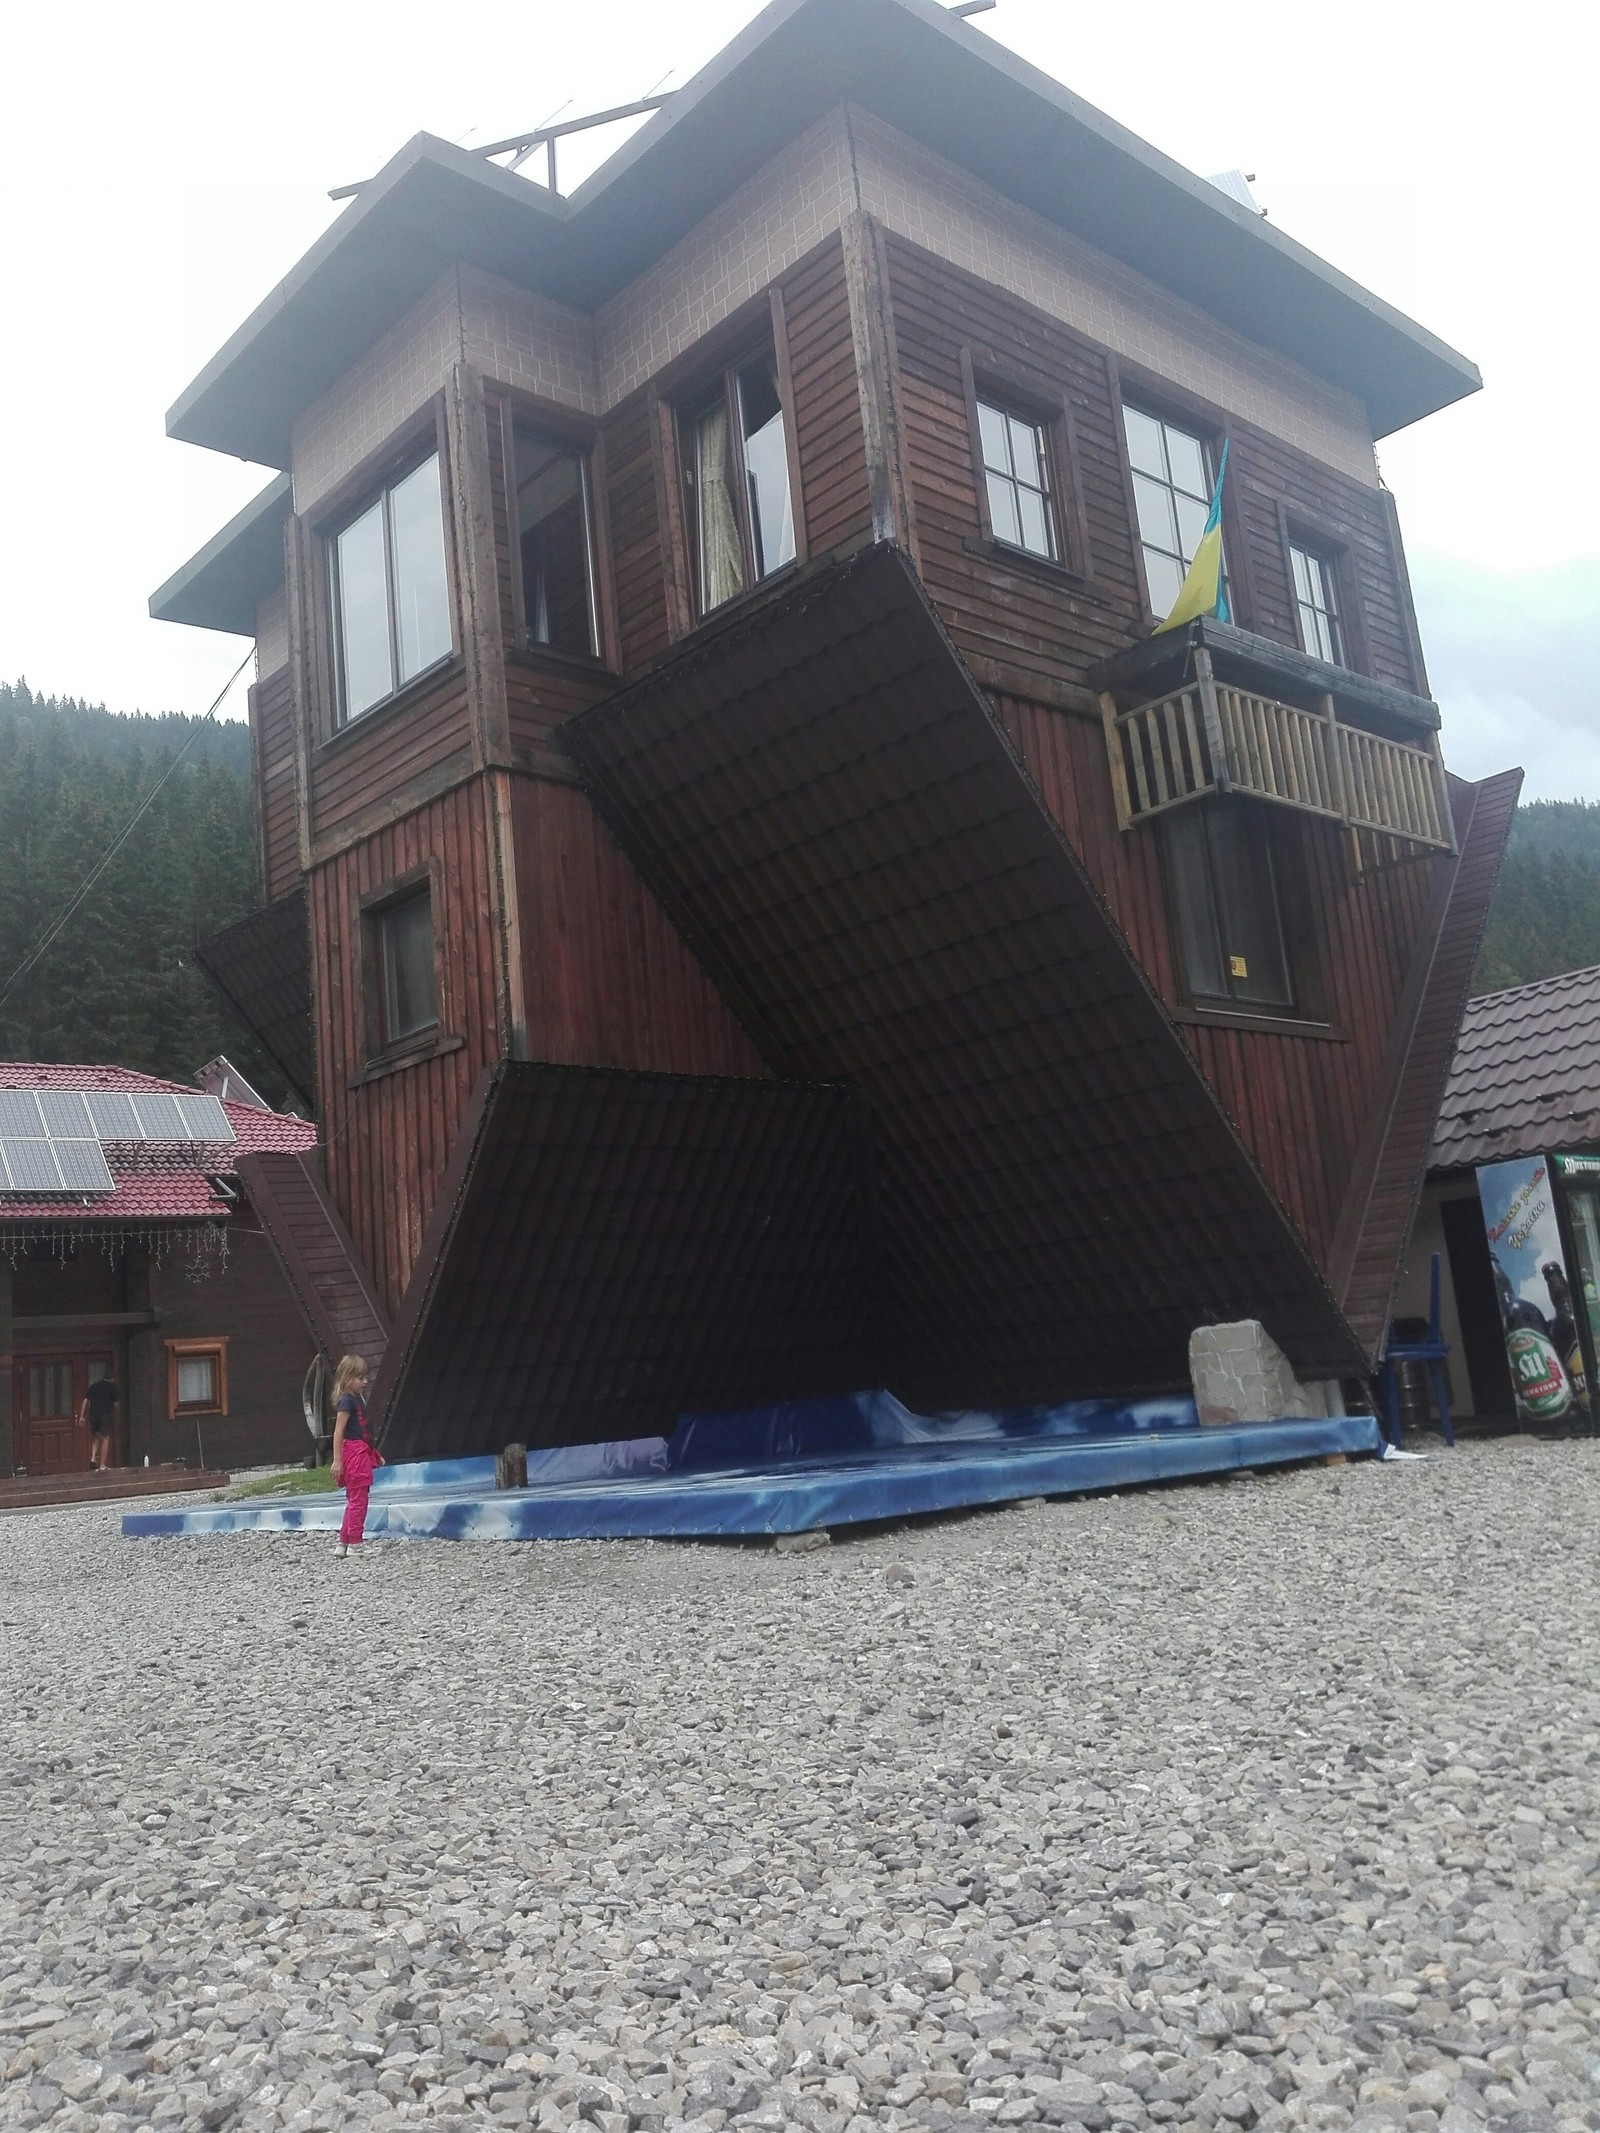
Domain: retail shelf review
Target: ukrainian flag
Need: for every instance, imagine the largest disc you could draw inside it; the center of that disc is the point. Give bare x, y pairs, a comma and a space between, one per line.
1202, 591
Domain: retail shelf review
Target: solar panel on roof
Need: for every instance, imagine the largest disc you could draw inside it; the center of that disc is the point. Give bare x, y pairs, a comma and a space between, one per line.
66, 1115
113, 1115
205, 1118
19, 1112
32, 1164
84, 1167
159, 1117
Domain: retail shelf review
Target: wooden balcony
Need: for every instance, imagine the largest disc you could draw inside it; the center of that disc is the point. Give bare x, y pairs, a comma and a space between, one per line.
1213, 736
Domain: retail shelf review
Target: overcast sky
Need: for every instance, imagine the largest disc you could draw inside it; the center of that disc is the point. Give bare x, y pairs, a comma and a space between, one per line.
162, 167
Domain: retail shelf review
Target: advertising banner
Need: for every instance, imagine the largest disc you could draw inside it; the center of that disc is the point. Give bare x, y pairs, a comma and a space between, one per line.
1531, 1281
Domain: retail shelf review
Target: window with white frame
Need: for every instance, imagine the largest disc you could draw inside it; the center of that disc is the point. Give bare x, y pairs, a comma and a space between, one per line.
1172, 482
1317, 604
1016, 474
390, 591
734, 447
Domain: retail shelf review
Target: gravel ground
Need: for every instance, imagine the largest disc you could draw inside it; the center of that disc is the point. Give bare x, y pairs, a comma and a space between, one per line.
1264, 1803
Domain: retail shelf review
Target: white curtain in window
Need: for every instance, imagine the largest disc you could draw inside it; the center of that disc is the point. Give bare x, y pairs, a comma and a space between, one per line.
721, 562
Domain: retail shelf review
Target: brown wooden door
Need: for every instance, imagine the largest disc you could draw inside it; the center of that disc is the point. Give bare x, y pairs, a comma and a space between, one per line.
49, 1393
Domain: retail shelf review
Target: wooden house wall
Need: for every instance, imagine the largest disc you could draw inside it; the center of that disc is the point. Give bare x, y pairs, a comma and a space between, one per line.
272, 725
247, 1303
607, 981
385, 1141
1027, 626
1299, 1100
383, 758
832, 450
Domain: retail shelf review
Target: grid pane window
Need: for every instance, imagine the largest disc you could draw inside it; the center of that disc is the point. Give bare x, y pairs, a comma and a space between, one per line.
556, 544
390, 591
1225, 901
405, 941
1172, 482
1016, 473
1316, 601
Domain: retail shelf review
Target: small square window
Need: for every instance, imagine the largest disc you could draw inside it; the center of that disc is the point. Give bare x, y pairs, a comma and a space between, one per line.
1016, 473
409, 994
197, 1378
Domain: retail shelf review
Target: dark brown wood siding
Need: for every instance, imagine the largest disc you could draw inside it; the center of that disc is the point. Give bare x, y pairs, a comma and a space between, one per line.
638, 563
1299, 1101
246, 1303
827, 402
272, 719
1016, 619
383, 759
607, 979
386, 1141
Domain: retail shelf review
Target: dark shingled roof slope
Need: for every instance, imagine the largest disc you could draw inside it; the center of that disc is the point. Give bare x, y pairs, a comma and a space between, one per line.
1526, 1075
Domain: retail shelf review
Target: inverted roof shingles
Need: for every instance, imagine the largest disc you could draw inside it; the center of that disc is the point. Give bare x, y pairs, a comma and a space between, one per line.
1525, 1079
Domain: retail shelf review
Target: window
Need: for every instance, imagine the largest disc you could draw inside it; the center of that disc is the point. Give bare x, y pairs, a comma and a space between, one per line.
409, 995
1016, 472
556, 544
1172, 481
740, 514
390, 594
1224, 893
197, 1377
1316, 599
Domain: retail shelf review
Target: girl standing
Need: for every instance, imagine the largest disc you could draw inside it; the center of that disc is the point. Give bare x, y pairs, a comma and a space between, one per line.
355, 1454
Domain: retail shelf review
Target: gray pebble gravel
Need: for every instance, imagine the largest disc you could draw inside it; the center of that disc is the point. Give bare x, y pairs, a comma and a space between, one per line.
1268, 1803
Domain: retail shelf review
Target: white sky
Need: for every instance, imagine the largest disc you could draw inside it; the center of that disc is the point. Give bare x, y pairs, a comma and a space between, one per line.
161, 167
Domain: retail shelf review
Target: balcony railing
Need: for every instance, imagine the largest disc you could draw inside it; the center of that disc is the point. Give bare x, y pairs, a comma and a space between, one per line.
1210, 736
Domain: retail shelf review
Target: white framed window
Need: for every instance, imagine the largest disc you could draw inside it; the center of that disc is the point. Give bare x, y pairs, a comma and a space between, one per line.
1316, 599
1017, 481
1173, 478
389, 591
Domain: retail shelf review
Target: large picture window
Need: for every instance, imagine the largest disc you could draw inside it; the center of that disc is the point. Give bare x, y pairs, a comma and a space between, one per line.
739, 509
1226, 906
555, 537
390, 591
1172, 482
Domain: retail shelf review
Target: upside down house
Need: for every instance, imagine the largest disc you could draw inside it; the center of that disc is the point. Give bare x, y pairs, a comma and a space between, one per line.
776, 914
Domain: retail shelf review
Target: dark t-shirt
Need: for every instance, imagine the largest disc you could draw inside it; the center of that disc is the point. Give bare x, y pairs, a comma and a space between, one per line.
102, 1398
357, 1430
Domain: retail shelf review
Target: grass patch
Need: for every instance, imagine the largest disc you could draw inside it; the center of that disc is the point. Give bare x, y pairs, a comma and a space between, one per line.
298, 1481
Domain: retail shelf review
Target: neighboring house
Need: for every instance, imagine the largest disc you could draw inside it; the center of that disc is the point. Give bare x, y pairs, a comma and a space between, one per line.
1524, 1091
130, 1249
754, 907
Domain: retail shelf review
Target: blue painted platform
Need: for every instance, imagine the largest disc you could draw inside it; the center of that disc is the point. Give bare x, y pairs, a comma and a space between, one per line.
792, 1469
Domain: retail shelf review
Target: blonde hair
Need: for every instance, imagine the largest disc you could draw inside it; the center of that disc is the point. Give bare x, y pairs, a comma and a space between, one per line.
350, 1370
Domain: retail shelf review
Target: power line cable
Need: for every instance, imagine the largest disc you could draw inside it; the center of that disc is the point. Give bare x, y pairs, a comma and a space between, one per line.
37, 952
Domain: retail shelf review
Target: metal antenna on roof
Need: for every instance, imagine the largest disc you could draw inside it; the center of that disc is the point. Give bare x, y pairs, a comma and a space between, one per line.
520, 145
974, 7
523, 154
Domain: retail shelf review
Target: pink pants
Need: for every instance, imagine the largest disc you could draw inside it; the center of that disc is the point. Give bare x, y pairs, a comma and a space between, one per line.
358, 1469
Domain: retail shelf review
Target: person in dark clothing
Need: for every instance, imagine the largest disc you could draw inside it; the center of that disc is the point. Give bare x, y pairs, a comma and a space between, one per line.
99, 1408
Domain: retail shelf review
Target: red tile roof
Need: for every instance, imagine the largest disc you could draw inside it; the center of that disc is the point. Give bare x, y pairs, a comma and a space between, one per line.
1526, 1075
165, 1181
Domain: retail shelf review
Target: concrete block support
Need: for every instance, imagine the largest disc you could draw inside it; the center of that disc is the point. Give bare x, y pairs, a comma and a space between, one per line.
1240, 1374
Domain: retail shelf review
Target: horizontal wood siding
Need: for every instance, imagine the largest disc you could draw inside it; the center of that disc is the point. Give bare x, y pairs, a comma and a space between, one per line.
607, 980
1034, 621
827, 402
381, 758
272, 717
638, 565
1299, 1102
386, 1142
247, 1303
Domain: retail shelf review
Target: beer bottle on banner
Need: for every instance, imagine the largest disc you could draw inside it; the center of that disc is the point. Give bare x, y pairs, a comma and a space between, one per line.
1564, 1327
1515, 1310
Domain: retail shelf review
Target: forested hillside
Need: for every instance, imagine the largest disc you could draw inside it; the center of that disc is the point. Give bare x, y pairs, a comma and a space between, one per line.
119, 986
1546, 912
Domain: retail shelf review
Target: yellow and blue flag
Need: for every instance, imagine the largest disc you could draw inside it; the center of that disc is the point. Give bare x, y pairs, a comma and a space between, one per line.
1203, 591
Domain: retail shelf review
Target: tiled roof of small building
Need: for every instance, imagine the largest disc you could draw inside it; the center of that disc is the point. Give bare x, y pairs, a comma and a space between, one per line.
1526, 1075
166, 1181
